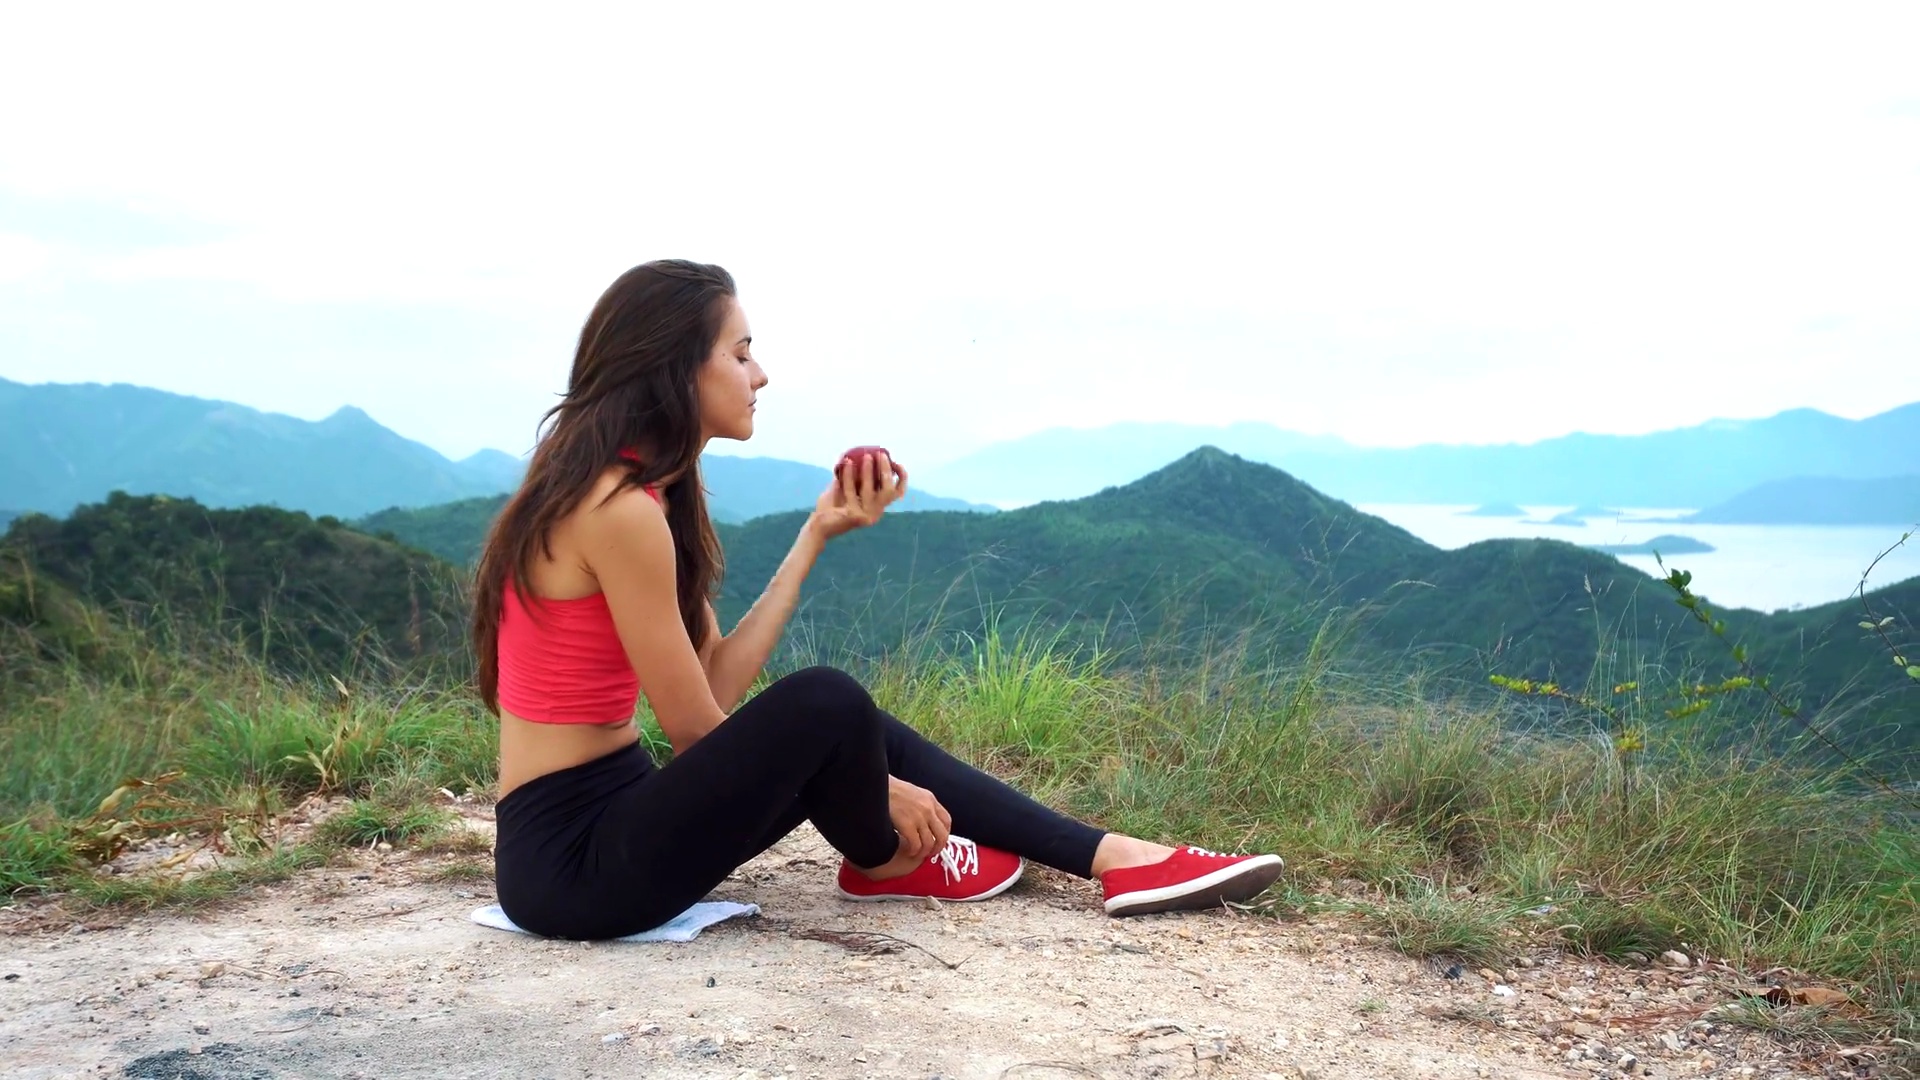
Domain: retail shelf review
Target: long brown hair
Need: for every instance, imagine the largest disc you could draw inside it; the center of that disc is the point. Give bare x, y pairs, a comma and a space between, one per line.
633, 386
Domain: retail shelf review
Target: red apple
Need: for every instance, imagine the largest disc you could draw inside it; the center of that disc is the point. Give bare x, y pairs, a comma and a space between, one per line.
858, 454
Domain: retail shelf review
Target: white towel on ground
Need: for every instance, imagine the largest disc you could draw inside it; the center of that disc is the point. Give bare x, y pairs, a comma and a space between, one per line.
682, 927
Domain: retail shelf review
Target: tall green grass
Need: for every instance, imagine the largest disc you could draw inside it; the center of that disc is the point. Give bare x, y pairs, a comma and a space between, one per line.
211, 740
1746, 857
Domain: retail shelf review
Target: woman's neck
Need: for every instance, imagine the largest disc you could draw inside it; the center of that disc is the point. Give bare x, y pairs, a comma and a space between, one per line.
641, 453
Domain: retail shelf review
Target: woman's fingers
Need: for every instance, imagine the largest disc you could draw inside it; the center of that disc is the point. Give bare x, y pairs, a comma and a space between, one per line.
884, 484
850, 484
867, 487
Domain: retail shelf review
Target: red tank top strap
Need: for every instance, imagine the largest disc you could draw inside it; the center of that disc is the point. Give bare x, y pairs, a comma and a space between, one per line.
632, 454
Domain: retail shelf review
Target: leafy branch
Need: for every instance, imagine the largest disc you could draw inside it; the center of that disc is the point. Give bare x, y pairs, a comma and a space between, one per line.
1876, 623
1680, 581
1629, 738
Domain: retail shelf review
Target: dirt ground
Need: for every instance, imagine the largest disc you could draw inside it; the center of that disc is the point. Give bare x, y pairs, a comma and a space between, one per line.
374, 970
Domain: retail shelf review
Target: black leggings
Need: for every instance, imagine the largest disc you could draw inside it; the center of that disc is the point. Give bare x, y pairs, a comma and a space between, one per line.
619, 845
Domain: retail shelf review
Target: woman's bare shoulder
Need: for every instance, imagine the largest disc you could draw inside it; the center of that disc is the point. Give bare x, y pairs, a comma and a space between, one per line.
613, 512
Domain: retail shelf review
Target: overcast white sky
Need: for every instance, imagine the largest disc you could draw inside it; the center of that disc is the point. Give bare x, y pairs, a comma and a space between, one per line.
1396, 223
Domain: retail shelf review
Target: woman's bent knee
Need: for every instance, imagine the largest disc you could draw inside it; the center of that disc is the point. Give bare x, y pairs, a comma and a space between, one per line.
823, 684
827, 696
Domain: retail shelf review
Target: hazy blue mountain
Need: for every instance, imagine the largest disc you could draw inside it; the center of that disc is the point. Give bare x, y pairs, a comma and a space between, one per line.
499, 470
62, 445
1067, 463
1684, 467
1694, 466
740, 488
1577, 517
1821, 500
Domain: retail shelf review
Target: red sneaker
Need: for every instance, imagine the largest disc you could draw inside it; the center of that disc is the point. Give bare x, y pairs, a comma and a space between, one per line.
1189, 879
963, 870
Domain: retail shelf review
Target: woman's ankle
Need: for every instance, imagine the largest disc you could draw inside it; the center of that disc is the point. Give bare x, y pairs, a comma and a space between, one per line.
898, 866
1119, 852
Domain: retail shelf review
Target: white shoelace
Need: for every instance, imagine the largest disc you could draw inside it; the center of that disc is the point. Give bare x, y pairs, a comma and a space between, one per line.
957, 858
1204, 851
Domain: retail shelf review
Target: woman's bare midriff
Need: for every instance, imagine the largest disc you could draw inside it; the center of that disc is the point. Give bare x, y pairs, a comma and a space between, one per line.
529, 750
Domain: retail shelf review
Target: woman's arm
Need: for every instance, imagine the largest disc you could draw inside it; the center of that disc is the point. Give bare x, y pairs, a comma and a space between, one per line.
855, 500
737, 659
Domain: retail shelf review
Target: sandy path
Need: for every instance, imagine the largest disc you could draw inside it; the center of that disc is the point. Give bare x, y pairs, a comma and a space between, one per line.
375, 971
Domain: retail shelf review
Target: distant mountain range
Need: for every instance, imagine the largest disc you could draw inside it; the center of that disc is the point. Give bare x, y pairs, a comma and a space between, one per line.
63, 445
1821, 500
1695, 466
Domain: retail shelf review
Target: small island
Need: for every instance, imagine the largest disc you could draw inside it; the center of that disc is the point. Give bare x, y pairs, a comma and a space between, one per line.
1565, 518
1664, 545
1495, 509
1576, 516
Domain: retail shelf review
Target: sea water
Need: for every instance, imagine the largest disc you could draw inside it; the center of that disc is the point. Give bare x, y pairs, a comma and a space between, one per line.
1762, 567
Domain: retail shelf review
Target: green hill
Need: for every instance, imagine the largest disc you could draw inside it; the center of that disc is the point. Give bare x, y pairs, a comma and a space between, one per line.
1209, 540
305, 594
453, 531
1217, 545
1820, 500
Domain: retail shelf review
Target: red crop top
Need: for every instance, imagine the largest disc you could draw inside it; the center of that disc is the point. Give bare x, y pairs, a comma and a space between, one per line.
565, 664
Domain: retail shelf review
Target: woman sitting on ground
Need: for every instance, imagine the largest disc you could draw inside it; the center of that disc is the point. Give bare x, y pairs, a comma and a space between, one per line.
595, 586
